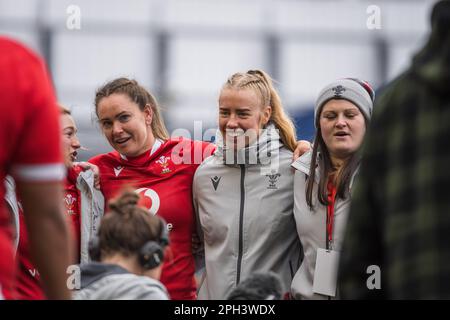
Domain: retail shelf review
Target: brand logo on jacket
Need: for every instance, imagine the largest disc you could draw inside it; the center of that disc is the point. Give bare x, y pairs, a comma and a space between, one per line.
338, 90
273, 179
70, 204
34, 273
215, 182
118, 170
164, 162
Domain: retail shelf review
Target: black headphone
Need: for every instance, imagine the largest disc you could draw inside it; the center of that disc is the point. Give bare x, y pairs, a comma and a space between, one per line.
150, 255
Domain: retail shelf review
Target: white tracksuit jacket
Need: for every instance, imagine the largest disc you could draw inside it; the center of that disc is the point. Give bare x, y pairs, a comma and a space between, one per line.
245, 214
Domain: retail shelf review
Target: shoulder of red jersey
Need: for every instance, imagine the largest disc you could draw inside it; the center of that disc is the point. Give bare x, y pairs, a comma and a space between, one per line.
73, 173
189, 151
35, 120
104, 158
17, 50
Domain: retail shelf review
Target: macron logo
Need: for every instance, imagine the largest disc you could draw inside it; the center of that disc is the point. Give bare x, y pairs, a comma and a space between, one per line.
215, 181
118, 170
33, 272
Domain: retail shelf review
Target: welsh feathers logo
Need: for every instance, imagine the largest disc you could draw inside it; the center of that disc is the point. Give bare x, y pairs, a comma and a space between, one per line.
70, 201
149, 199
164, 163
338, 90
273, 179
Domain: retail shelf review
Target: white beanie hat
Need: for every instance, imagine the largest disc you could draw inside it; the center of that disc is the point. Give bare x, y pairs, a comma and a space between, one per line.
359, 92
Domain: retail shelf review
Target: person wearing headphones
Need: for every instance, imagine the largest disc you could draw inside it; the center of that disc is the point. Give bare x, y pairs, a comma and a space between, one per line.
323, 182
128, 255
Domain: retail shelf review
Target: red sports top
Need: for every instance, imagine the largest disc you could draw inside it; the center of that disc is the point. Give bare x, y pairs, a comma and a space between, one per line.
29, 136
165, 186
28, 286
72, 207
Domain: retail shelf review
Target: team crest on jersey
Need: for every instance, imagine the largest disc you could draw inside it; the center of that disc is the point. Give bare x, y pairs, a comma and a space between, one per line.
164, 163
273, 179
70, 204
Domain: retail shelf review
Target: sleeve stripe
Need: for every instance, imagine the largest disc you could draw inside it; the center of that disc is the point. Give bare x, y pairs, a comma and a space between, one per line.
39, 173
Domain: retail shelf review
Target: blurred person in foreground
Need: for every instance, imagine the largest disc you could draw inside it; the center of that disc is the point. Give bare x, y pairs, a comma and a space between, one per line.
31, 154
83, 208
397, 244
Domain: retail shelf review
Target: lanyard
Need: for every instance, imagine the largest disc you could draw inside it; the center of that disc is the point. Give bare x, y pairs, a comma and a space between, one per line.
330, 214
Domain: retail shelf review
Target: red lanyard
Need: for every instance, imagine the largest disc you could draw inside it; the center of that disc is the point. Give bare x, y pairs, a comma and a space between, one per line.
330, 213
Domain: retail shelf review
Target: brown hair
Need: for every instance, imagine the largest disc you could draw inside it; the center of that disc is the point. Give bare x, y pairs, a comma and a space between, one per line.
342, 176
127, 226
63, 110
261, 83
140, 96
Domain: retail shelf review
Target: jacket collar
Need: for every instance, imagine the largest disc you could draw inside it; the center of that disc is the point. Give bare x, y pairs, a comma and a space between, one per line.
158, 143
303, 164
261, 151
94, 271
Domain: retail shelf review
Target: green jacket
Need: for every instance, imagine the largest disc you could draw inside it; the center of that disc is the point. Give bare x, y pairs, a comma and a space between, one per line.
400, 215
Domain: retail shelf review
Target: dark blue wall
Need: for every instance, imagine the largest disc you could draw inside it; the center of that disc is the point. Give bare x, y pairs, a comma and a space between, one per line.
304, 122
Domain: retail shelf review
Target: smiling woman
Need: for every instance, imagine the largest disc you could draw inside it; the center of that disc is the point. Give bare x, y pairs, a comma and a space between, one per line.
130, 119
244, 194
126, 127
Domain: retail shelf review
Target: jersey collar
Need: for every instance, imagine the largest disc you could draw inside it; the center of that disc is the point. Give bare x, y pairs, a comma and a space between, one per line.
155, 147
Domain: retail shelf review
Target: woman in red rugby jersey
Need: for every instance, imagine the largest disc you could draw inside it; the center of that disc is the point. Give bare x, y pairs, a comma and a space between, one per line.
83, 207
159, 168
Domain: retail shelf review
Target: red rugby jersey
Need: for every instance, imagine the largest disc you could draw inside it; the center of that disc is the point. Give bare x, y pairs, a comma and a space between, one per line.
29, 136
165, 186
28, 286
72, 208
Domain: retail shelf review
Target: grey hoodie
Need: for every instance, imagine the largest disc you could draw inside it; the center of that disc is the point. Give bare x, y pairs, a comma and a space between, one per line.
245, 212
101, 281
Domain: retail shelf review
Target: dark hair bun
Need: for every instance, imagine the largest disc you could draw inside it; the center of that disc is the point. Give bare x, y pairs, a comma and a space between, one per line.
125, 203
